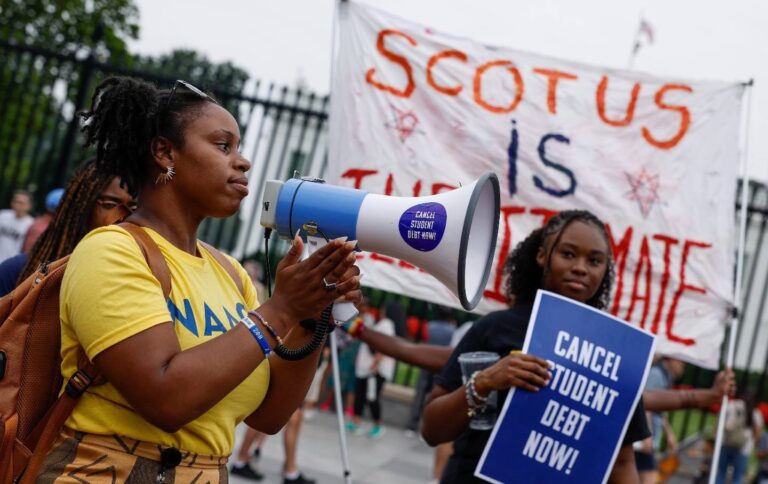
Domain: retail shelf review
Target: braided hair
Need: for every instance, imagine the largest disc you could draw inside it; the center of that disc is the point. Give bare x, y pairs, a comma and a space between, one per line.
71, 221
523, 274
126, 115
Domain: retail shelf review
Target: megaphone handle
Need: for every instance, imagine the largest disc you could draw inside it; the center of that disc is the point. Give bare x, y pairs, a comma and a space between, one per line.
344, 311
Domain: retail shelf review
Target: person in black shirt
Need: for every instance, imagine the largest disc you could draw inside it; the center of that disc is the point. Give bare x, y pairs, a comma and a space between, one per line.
570, 256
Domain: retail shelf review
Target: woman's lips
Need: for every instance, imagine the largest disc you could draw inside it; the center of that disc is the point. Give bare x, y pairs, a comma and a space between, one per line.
240, 185
576, 285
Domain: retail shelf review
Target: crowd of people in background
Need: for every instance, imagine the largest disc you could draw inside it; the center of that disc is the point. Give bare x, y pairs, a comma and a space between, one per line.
102, 192
27, 241
91, 200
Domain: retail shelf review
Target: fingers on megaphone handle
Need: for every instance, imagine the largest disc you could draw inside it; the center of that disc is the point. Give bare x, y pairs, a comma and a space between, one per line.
348, 289
353, 297
294, 253
319, 256
337, 259
342, 270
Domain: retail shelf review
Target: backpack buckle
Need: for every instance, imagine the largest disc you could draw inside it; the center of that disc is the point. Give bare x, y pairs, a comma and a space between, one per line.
78, 383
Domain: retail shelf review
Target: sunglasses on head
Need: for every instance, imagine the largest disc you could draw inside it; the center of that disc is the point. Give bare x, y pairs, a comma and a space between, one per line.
190, 88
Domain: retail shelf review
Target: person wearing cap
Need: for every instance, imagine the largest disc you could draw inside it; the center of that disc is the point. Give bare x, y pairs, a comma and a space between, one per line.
41, 222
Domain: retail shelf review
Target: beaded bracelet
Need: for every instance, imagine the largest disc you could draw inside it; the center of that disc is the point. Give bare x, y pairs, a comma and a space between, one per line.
476, 396
474, 400
257, 335
268, 326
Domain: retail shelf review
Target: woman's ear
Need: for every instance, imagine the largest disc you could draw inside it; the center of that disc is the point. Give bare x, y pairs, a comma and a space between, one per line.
541, 257
161, 150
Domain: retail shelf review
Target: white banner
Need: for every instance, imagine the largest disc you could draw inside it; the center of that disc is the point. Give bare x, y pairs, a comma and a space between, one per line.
416, 112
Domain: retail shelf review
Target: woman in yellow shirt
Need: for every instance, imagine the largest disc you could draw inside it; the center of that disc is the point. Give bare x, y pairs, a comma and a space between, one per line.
181, 372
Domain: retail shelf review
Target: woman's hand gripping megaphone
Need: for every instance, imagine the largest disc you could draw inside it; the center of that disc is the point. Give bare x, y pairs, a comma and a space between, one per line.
304, 287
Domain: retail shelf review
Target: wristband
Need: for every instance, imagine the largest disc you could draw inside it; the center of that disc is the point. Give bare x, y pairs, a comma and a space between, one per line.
257, 335
268, 326
356, 327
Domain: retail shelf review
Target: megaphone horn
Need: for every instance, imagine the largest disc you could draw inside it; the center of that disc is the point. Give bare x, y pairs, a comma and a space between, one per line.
451, 235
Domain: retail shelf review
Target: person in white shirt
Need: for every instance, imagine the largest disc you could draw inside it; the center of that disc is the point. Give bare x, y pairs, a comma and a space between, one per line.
743, 426
372, 369
14, 223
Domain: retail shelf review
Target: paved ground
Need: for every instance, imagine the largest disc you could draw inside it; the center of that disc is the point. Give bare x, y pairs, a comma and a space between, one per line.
394, 458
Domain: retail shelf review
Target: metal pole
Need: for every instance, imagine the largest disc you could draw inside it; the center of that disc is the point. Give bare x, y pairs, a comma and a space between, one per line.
337, 397
737, 289
338, 12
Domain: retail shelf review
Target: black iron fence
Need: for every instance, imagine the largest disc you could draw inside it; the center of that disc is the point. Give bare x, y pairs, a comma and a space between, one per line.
283, 130
751, 342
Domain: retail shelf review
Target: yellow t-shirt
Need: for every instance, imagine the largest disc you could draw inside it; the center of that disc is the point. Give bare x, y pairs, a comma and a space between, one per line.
108, 294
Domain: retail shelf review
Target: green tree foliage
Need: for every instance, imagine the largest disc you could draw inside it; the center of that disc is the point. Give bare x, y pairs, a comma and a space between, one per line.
65, 25
38, 90
219, 78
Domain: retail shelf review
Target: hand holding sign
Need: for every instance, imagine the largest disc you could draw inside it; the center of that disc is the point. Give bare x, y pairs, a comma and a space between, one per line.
515, 370
571, 430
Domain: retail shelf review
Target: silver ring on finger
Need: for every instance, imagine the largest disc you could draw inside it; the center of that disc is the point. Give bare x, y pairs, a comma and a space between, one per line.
329, 286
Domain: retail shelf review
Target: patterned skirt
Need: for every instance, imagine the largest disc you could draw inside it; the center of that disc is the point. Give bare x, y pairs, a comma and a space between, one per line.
77, 457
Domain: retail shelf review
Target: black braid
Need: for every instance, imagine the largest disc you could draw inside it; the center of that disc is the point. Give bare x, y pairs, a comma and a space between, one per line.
523, 274
126, 115
71, 221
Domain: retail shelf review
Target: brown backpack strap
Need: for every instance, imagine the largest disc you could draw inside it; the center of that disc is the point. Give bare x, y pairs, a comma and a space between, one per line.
226, 264
87, 373
56, 416
155, 259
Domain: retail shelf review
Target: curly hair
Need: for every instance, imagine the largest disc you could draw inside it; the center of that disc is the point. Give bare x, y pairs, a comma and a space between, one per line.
523, 274
71, 221
126, 115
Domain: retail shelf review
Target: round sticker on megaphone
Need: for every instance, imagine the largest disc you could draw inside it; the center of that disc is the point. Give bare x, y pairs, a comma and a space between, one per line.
422, 226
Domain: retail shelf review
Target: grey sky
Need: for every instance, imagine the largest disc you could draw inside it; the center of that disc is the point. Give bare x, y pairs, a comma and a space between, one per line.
283, 40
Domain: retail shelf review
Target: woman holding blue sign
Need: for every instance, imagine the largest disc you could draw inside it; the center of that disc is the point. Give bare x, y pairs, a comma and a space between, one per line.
570, 256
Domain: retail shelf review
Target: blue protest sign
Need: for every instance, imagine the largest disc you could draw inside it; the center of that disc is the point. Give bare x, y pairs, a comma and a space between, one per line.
571, 430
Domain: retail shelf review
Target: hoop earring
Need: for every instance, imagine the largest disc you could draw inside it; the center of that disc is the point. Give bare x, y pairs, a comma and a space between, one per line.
165, 177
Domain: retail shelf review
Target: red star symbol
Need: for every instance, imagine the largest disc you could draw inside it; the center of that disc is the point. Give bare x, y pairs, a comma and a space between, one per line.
645, 190
404, 122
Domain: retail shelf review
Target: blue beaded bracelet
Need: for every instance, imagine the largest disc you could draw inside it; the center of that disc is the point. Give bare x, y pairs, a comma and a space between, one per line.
258, 336
267, 326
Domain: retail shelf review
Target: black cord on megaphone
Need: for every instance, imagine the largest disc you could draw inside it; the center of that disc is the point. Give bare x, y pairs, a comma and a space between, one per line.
319, 328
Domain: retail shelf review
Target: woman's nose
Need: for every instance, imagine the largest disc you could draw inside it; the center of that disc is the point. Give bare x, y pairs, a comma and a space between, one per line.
579, 266
243, 163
